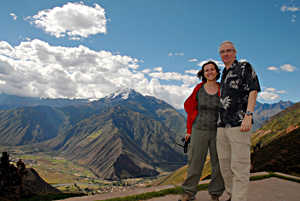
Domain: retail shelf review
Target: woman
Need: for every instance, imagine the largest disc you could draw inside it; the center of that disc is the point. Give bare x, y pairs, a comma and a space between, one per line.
202, 114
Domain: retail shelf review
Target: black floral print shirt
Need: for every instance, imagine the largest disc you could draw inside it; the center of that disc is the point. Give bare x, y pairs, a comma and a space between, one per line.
236, 84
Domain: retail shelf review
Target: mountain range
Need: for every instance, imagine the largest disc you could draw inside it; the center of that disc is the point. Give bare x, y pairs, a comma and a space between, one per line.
263, 111
14, 101
122, 135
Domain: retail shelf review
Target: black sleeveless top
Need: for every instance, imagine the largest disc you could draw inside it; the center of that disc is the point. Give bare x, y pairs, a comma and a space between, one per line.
208, 108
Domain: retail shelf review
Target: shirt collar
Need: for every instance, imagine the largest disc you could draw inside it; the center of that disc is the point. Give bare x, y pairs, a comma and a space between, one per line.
235, 62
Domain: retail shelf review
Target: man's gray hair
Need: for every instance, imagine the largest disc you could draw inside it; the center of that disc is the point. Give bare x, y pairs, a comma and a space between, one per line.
227, 41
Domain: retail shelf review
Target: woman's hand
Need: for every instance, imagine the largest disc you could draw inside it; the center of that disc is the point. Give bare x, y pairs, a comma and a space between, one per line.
187, 136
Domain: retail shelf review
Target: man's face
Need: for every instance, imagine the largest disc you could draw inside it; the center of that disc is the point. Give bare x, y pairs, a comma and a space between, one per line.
227, 54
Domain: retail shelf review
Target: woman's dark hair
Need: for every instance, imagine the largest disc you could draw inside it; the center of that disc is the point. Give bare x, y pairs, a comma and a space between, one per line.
200, 74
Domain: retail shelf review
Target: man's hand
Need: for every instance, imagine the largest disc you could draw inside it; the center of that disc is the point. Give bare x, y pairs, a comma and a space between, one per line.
246, 123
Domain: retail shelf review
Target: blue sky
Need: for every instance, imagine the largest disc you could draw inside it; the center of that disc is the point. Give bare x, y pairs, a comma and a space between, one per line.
90, 49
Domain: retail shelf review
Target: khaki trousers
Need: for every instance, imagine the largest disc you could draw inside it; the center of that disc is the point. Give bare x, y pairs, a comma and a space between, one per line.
234, 156
200, 142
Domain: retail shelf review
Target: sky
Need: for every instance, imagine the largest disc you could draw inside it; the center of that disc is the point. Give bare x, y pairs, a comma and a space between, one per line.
92, 48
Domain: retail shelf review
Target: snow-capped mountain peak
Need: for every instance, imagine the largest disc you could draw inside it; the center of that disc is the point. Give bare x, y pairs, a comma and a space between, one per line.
123, 94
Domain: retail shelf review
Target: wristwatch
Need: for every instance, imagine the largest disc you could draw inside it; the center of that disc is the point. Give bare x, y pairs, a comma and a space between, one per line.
249, 113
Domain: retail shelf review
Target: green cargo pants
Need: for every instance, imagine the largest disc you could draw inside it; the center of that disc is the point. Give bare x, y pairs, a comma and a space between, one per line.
200, 142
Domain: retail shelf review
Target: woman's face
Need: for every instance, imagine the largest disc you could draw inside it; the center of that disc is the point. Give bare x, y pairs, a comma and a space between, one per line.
210, 72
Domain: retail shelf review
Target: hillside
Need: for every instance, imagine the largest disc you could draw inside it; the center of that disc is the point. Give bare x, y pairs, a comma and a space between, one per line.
31, 184
119, 143
180, 174
277, 144
12, 101
147, 105
120, 136
280, 155
26, 126
263, 111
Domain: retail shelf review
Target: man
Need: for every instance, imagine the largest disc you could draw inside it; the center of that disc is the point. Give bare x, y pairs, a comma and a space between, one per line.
239, 88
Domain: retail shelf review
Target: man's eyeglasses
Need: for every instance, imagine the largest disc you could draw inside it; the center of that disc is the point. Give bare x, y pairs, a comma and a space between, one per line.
227, 51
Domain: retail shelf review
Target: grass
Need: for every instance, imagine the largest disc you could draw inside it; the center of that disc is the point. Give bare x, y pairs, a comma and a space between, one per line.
144, 196
260, 177
49, 197
50, 167
285, 178
55, 169
178, 190
179, 175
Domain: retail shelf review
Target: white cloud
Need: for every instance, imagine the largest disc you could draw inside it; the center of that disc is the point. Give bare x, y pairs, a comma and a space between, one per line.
167, 75
243, 60
284, 68
146, 71
6, 49
37, 69
270, 96
172, 94
289, 8
175, 54
14, 16
273, 68
187, 81
158, 69
73, 19
193, 60
192, 71
270, 89
292, 8
281, 92
219, 63
288, 68
171, 76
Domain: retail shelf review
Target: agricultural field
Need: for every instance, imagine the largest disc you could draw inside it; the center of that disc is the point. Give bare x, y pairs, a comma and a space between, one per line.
68, 176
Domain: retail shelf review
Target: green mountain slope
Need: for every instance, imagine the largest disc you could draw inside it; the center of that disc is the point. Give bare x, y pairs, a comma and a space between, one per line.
110, 142
26, 125
125, 135
278, 125
178, 176
280, 155
147, 105
277, 144
264, 111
